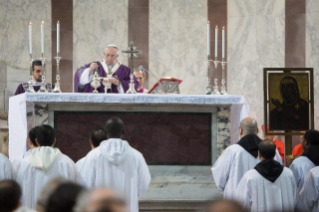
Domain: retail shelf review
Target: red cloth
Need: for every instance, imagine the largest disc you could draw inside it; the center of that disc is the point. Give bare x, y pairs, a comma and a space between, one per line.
281, 149
298, 150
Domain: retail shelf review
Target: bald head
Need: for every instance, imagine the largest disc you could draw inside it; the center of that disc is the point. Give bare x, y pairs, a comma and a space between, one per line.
114, 128
267, 149
224, 206
248, 126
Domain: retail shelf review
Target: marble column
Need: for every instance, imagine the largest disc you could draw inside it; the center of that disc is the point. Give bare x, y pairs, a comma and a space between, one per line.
178, 42
256, 39
97, 23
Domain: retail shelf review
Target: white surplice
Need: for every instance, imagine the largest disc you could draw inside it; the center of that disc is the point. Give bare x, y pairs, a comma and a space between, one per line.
256, 193
42, 165
300, 168
309, 195
116, 165
6, 169
80, 163
229, 168
17, 161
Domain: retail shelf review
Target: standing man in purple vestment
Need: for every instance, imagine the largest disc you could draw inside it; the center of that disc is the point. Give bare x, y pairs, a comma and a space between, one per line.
36, 75
118, 74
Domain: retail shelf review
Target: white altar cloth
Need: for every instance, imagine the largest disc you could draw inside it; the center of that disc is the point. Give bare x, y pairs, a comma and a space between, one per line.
18, 109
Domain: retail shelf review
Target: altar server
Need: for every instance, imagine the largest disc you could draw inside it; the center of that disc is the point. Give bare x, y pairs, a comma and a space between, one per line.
6, 169
309, 195
110, 67
237, 159
36, 77
97, 136
33, 145
269, 186
310, 158
43, 164
140, 76
118, 166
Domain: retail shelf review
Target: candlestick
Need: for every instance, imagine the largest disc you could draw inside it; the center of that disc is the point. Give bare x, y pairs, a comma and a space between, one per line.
57, 84
223, 87
42, 37
216, 41
223, 42
208, 38
30, 38
216, 91
58, 37
208, 87
43, 88
30, 87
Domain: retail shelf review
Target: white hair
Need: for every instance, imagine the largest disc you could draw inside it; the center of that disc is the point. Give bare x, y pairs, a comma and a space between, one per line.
114, 46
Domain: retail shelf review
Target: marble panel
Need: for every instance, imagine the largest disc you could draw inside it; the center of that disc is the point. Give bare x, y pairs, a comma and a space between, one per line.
3, 83
255, 40
312, 49
223, 129
15, 77
177, 43
96, 24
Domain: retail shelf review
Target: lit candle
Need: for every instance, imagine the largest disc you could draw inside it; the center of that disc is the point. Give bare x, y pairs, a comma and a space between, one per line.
216, 41
223, 42
208, 39
58, 37
42, 37
30, 37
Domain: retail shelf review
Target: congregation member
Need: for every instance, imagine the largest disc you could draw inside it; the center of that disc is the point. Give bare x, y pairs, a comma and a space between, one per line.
63, 198
32, 143
10, 193
237, 159
269, 186
309, 195
110, 67
279, 145
6, 169
118, 166
140, 75
42, 164
36, 77
309, 159
97, 136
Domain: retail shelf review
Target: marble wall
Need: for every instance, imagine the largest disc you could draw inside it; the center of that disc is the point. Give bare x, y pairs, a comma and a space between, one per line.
177, 42
312, 48
15, 16
256, 39
97, 23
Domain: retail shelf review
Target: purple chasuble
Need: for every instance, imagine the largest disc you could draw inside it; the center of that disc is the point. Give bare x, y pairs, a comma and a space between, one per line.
122, 73
21, 90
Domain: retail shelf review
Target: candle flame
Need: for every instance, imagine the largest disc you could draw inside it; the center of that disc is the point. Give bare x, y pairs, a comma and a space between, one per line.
58, 22
208, 22
223, 27
30, 23
216, 26
42, 22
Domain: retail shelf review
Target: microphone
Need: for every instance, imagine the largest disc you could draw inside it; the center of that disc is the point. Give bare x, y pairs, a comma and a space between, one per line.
144, 69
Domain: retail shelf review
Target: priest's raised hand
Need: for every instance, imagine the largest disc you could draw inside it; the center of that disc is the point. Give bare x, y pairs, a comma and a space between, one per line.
110, 67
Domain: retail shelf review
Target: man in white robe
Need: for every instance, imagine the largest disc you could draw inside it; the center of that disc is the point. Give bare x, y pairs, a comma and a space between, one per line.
309, 195
33, 145
309, 159
269, 186
97, 136
6, 169
237, 159
118, 166
43, 164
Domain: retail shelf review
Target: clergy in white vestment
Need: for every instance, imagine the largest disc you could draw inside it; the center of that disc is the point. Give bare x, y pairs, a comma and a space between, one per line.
308, 199
238, 158
6, 169
97, 136
269, 186
118, 166
33, 145
309, 159
42, 164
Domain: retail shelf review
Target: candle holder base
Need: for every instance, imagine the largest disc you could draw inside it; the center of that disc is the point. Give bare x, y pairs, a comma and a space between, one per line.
131, 89
30, 87
216, 90
223, 89
43, 88
209, 90
57, 88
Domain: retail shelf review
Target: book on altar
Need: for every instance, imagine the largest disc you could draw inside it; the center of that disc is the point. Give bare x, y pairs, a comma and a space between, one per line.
166, 85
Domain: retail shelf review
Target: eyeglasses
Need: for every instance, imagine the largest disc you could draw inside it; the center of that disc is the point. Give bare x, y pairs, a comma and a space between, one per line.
112, 56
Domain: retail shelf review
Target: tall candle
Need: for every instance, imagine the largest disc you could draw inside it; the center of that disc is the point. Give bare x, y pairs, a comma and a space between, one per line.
223, 42
216, 41
208, 39
58, 37
30, 37
42, 37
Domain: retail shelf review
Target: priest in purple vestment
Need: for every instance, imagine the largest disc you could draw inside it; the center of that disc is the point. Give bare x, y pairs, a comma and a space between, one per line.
36, 75
118, 74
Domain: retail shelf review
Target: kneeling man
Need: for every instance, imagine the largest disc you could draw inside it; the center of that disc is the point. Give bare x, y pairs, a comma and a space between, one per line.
269, 186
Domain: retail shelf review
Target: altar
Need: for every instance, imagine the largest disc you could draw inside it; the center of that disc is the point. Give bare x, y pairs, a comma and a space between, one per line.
180, 136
